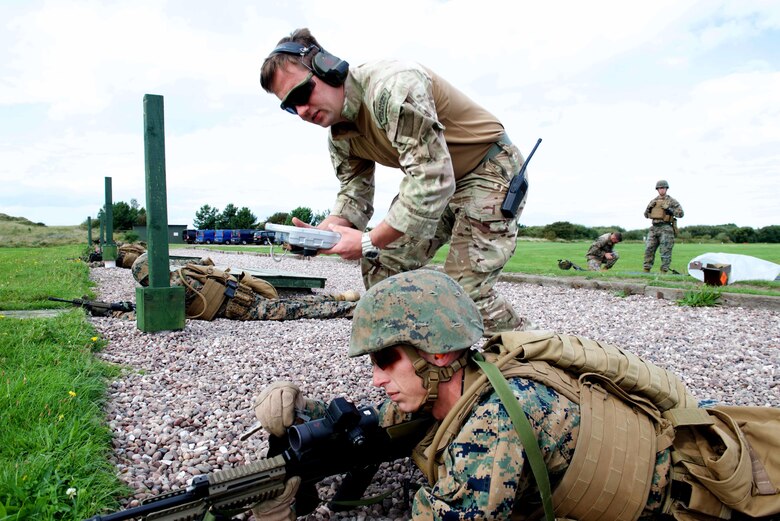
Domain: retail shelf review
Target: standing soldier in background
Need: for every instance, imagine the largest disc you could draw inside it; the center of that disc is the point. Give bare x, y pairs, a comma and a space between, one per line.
664, 211
600, 251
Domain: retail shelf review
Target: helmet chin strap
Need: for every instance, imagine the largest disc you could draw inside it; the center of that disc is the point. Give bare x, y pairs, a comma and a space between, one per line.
432, 375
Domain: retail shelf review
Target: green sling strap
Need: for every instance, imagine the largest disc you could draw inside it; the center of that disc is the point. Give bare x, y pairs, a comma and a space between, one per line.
524, 430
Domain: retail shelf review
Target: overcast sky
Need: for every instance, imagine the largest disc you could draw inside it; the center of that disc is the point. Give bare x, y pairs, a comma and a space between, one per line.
622, 94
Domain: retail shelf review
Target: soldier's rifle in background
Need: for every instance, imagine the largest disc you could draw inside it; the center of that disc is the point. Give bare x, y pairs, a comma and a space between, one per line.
347, 441
98, 308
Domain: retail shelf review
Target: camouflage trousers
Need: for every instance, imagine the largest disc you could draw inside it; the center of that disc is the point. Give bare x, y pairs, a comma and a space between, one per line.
596, 264
291, 308
660, 235
481, 240
294, 308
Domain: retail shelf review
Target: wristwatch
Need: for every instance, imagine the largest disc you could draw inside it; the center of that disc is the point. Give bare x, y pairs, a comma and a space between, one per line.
369, 250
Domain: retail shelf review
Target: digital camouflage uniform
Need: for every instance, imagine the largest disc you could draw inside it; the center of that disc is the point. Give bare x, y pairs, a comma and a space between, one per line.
404, 116
596, 254
661, 233
262, 307
485, 476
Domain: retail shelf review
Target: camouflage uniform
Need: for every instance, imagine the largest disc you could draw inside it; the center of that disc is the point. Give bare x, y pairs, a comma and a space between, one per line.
486, 474
457, 163
262, 307
661, 233
598, 250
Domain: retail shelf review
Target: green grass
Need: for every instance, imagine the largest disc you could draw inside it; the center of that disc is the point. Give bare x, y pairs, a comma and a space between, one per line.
29, 275
53, 435
705, 296
541, 258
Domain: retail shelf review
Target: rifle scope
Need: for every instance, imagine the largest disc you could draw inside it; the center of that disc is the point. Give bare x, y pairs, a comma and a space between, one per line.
342, 419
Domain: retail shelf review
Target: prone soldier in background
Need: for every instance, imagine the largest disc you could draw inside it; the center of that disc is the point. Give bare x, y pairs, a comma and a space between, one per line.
664, 211
212, 293
601, 255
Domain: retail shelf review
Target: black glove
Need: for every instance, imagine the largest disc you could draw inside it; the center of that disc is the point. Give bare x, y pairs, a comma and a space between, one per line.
668, 211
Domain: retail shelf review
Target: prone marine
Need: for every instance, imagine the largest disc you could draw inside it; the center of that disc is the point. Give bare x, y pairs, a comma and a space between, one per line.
541, 425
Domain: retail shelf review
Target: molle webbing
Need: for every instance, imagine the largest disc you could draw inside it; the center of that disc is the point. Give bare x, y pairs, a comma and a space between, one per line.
580, 355
611, 471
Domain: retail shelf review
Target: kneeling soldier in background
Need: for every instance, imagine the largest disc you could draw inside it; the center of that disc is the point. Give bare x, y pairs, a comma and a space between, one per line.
601, 255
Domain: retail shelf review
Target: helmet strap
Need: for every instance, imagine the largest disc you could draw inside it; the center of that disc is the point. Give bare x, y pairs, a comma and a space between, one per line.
432, 375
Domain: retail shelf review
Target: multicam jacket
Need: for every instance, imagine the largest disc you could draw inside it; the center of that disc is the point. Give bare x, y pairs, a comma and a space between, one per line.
601, 246
402, 115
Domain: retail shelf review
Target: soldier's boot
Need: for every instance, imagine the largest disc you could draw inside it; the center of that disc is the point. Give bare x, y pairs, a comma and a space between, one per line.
348, 296
646, 270
664, 270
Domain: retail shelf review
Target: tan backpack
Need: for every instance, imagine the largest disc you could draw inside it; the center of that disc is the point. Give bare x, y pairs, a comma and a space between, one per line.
725, 458
218, 286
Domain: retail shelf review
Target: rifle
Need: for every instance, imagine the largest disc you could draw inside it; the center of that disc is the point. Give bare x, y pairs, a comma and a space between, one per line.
98, 308
347, 440
518, 186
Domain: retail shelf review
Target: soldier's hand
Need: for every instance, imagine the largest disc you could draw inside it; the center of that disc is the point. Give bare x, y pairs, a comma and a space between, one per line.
279, 508
275, 406
668, 211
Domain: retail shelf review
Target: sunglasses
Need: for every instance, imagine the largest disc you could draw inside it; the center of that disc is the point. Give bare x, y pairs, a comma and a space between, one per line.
298, 95
386, 357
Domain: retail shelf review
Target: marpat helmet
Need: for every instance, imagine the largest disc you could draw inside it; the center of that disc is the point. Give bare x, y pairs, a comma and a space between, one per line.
140, 269
425, 309
661, 184
564, 264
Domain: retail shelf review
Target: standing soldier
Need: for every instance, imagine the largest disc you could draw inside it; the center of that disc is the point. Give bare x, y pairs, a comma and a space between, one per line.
664, 211
456, 157
601, 251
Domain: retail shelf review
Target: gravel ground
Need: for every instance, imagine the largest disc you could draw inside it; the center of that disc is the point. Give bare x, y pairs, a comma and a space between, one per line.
181, 405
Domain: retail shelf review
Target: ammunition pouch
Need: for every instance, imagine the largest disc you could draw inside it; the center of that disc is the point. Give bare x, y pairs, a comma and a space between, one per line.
238, 307
724, 460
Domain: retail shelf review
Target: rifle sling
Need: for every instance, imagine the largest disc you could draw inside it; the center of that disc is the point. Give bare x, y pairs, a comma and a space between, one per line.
524, 431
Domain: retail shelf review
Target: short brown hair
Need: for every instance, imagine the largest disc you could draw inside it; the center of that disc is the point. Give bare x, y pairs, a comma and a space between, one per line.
274, 62
618, 236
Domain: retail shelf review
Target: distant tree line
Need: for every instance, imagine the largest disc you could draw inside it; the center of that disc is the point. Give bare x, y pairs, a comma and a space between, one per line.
564, 230
124, 215
232, 218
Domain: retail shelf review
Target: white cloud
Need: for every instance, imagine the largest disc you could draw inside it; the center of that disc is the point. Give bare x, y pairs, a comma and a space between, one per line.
621, 93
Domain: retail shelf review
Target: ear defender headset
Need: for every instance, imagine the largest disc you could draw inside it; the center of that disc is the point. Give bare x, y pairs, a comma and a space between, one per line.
325, 66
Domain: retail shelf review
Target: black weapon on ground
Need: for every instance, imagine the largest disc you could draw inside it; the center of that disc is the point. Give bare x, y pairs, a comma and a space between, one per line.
98, 308
517, 188
347, 441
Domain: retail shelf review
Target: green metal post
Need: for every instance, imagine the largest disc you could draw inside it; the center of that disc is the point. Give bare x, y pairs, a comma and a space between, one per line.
89, 234
159, 307
109, 250
102, 238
